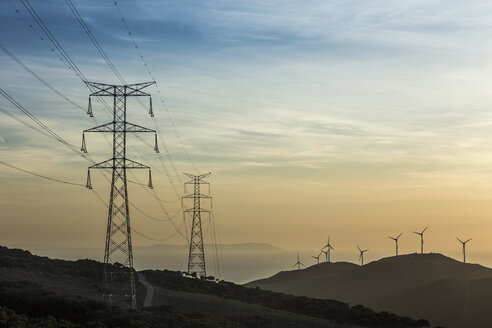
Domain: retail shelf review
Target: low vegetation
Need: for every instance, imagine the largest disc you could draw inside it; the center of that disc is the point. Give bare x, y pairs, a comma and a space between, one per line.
335, 311
29, 302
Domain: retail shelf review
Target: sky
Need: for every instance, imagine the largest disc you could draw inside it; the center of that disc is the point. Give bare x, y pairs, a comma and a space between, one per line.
353, 119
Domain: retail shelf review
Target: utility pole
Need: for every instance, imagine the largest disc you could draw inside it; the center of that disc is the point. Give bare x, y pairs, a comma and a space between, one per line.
196, 257
118, 275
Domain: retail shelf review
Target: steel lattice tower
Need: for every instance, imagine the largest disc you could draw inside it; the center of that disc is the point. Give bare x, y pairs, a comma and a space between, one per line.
196, 258
118, 254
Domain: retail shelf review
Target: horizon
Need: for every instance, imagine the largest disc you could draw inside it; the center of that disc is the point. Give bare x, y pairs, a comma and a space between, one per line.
242, 266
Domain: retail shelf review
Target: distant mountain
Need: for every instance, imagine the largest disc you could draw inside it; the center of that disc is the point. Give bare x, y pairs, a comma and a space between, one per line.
242, 247
443, 290
38, 291
240, 262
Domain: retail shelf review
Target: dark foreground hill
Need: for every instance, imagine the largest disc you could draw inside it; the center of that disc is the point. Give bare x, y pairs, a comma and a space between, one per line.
445, 291
41, 292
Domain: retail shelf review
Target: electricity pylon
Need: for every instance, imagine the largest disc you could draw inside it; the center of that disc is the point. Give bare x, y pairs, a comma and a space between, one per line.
196, 257
118, 253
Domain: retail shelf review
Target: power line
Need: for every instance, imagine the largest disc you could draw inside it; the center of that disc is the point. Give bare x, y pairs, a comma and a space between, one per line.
17, 60
87, 157
157, 88
72, 66
40, 175
41, 124
133, 229
113, 68
63, 55
93, 40
52, 38
12, 116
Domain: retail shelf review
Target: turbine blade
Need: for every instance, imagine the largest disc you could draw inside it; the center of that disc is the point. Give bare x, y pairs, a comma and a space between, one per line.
399, 235
424, 229
459, 240
468, 240
358, 247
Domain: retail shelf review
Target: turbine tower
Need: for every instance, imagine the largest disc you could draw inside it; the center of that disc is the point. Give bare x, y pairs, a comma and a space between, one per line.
196, 256
396, 241
361, 256
298, 263
464, 248
421, 234
317, 257
118, 254
328, 250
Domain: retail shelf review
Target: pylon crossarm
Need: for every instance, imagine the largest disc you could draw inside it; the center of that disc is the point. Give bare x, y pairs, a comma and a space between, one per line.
104, 89
191, 210
108, 164
196, 196
199, 177
108, 127
130, 127
138, 86
130, 164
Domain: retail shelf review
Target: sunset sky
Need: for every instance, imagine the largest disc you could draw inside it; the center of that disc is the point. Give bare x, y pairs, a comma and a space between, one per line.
358, 119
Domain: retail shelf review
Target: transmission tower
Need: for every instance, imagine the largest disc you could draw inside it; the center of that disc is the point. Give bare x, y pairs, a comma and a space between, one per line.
118, 255
196, 258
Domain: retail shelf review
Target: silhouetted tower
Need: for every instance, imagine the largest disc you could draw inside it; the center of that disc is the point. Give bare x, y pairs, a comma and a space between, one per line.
361, 256
396, 241
118, 254
464, 248
421, 234
196, 257
298, 263
328, 250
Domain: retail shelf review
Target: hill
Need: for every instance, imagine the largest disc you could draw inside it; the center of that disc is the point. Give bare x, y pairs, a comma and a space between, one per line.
41, 292
443, 290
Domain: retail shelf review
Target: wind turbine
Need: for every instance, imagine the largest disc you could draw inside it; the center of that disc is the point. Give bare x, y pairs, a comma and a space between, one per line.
396, 241
298, 263
361, 256
325, 252
317, 257
464, 248
421, 234
328, 250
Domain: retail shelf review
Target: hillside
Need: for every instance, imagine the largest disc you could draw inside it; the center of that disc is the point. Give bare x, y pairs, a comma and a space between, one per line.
39, 290
443, 290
